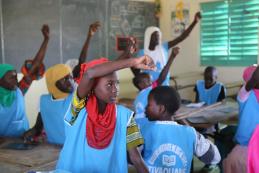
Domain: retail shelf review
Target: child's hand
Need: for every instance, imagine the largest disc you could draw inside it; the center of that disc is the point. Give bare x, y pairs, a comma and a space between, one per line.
175, 51
145, 62
45, 31
28, 135
132, 48
197, 17
93, 28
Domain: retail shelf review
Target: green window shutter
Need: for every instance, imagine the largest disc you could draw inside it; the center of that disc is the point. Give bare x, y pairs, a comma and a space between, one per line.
243, 38
229, 33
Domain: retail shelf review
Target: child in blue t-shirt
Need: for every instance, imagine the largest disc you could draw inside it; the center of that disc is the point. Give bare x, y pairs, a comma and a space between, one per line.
169, 146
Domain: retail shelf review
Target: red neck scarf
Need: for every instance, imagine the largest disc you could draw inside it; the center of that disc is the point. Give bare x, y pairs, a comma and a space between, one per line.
99, 127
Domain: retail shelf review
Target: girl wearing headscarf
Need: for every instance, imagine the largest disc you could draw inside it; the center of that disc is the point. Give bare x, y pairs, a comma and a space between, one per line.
158, 51
248, 100
13, 117
98, 132
54, 105
253, 153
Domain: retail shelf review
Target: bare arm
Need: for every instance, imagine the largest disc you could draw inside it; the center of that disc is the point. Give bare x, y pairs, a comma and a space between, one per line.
137, 160
186, 33
87, 81
166, 68
26, 81
35, 130
42, 51
93, 28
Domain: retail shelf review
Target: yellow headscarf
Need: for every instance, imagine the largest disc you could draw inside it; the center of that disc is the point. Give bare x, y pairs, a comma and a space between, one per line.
53, 74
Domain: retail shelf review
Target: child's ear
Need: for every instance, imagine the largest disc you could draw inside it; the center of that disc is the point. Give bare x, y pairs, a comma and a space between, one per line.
162, 109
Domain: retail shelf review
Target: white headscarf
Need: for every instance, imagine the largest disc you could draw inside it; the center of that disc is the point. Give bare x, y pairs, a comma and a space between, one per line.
157, 55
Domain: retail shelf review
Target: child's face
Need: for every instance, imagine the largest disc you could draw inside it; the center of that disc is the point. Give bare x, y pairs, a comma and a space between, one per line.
107, 88
154, 40
9, 80
65, 84
152, 109
145, 82
210, 78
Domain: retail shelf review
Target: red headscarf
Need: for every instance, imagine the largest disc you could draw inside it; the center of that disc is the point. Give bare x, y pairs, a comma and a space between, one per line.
99, 127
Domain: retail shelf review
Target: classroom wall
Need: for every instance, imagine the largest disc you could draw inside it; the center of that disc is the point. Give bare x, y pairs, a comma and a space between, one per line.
186, 66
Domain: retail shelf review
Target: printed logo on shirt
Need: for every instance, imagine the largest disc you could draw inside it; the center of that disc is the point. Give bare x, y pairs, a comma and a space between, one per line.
168, 158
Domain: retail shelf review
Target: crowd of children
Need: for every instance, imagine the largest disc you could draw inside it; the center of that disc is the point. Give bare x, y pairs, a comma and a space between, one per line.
80, 111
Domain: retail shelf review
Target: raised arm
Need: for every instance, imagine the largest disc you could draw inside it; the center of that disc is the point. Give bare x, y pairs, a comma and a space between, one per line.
93, 28
166, 68
131, 49
42, 51
186, 33
26, 81
87, 81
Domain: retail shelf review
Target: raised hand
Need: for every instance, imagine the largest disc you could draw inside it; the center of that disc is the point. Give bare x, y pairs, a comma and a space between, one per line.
175, 51
45, 31
145, 62
197, 17
93, 28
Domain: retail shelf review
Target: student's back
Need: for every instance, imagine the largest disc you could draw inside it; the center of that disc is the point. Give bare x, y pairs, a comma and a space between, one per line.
170, 141
168, 146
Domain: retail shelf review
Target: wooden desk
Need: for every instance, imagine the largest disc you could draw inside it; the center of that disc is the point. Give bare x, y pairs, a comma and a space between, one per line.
219, 112
42, 157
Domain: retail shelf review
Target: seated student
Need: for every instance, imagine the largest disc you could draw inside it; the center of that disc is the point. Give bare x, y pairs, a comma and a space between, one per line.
53, 106
158, 51
169, 146
253, 153
143, 82
248, 100
14, 121
209, 90
98, 132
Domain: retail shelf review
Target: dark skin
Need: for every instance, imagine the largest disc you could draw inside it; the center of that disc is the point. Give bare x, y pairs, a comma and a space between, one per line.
154, 41
9, 80
156, 111
93, 28
146, 81
65, 84
210, 78
253, 83
106, 91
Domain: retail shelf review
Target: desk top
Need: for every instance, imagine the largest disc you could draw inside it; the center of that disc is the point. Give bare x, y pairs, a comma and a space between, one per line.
219, 112
41, 157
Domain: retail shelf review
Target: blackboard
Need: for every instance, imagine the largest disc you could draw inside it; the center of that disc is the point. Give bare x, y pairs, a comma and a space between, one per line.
129, 18
21, 21
76, 18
